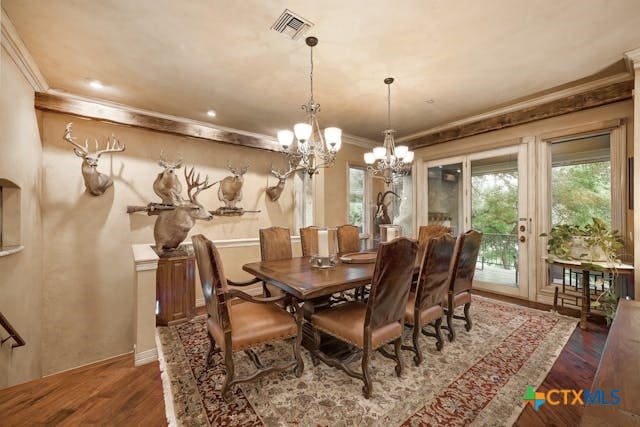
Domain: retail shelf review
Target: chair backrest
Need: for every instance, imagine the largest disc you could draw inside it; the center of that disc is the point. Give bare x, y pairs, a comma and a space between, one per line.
212, 280
348, 239
391, 282
309, 240
428, 232
435, 268
464, 261
275, 244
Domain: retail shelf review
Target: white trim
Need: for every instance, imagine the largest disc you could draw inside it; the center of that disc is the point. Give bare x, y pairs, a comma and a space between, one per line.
633, 56
17, 50
146, 356
144, 257
539, 100
200, 302
228, 243
87, 364
10, 250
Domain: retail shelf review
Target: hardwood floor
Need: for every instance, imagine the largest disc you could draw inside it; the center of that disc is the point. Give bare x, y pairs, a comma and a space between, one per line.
115, 393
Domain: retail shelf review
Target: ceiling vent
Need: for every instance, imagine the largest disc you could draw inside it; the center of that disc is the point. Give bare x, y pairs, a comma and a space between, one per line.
291, 24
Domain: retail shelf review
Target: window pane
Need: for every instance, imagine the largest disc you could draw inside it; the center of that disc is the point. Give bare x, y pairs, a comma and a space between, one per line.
357, 206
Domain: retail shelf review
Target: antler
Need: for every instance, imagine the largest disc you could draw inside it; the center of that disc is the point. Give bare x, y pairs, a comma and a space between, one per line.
238, 172
79, 149
113, 146
193, 182
283, 175
168, 164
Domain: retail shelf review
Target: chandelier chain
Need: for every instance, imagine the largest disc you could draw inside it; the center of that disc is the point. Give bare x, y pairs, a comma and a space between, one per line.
389, 106
311, 76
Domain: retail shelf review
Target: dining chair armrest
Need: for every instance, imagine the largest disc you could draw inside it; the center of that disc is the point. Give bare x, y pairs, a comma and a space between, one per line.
247, 283
234, 293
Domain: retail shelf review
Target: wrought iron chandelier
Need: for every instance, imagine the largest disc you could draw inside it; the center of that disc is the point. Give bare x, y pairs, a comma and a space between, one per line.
388, 161
311, 151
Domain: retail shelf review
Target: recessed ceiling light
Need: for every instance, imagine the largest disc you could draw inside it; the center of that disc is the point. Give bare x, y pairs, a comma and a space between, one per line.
211, 113
96, 84
430, 101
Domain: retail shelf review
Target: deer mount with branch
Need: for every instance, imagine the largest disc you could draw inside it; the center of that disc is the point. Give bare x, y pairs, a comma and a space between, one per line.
274, 192
95, 182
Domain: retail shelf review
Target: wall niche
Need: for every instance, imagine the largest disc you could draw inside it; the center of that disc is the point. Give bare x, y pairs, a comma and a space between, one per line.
10, 239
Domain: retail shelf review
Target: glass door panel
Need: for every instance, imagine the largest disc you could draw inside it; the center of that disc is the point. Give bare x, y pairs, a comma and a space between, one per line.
494, 212
445, 196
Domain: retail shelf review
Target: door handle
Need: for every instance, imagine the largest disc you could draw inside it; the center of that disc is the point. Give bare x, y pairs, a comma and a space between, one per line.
522, 239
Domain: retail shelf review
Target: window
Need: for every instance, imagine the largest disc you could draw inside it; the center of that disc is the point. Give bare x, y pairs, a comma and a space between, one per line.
581, 181
9, 215
304, 204
402, 207
357, 198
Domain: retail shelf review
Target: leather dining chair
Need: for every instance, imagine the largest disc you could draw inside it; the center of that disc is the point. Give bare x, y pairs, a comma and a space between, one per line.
369, 326
461, 280
428, 232
348, 239
309, 240
275, 244
425, 305
244, 326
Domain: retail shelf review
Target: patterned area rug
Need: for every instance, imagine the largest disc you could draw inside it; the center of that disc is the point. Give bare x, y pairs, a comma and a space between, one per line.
478, 379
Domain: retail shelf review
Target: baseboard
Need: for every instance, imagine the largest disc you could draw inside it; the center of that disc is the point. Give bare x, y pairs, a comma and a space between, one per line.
145, 357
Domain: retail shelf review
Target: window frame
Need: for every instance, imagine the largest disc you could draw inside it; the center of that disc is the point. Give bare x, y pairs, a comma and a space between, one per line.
366, 199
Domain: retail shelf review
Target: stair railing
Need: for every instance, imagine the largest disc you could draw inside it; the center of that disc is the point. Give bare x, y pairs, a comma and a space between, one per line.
13, 334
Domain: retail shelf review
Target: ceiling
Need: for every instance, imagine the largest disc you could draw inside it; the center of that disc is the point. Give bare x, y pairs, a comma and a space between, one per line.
186, 57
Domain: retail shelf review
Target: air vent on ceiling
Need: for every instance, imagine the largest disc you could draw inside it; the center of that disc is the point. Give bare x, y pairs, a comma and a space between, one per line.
291, 24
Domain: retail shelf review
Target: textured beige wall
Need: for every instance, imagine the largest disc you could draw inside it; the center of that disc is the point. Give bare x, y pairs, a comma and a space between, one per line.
21, 273
88, 300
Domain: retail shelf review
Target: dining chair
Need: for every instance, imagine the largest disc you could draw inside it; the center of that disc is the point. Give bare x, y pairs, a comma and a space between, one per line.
309, 240
371, 325
428, 232
463, 267
275, 244
348, 239
244, 326
425, 305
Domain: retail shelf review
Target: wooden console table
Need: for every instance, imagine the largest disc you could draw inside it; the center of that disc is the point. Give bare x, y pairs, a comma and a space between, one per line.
618, 369
586, 268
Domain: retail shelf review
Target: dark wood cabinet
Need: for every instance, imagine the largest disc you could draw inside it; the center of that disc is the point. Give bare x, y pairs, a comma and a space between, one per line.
175, 288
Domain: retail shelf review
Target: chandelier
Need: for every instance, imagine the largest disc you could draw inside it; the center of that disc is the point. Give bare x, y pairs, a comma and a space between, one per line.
311, 151
388, 161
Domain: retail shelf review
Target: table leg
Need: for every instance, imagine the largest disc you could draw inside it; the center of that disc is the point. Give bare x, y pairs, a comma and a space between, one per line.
585, 299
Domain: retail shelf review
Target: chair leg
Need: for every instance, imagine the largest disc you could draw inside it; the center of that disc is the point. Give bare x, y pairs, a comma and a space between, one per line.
316, 346
298, 340
212, 349
230, 370
417, 359
366, 372
396, 346
469, 324
439, 341
452, 333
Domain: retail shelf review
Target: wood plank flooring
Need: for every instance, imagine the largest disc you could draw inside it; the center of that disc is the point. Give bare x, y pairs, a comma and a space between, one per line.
116, 393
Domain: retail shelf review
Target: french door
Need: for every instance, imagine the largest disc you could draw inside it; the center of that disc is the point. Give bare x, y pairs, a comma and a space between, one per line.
488, 192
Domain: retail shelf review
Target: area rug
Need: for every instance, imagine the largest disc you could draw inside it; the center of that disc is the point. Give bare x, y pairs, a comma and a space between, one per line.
478, 379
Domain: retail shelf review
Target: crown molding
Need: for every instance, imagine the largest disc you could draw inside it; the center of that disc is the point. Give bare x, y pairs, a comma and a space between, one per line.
359, 141
633, 57
61, 102
581, 101
19, 53
525, 105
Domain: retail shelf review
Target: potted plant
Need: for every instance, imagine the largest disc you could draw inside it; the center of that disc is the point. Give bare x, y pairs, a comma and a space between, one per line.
589, 244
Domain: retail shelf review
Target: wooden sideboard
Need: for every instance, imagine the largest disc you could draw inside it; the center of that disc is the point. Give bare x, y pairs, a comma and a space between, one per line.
175, 288
619, 368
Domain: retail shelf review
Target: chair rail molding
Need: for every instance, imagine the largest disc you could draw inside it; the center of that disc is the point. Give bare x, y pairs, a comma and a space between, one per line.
17, 50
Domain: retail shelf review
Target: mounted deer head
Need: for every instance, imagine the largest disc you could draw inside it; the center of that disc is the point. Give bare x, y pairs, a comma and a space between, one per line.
95, 182
230, 191
167, 185
173, 226
275, 191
